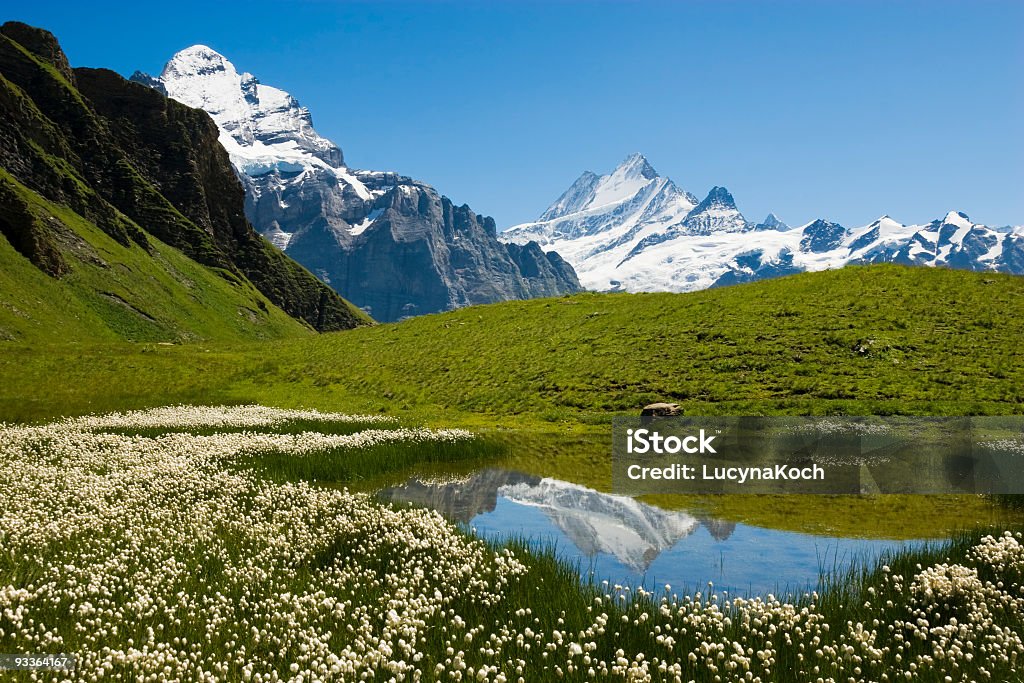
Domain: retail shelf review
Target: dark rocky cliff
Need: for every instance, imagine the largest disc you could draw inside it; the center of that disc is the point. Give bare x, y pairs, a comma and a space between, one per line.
423, 254
136, 164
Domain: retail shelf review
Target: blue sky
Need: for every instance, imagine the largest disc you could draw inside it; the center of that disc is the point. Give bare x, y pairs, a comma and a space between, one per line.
843, 110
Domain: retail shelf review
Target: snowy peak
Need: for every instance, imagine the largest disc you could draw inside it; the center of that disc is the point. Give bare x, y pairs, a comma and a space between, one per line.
202, 77
198, 60
628, 178
718, 198
262, 127
603, 221
888, 226
635, 166
822, 235
957, 218
771, 222
593, 192
717, 213
608, 214
880, 232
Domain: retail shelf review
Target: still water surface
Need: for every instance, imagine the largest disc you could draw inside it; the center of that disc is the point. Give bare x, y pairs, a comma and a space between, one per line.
623, 540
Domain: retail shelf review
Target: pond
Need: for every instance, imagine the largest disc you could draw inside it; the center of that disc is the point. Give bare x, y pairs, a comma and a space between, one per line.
628, 541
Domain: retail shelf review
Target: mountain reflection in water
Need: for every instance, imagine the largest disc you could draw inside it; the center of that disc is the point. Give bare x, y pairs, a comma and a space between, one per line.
633, 532
625, 540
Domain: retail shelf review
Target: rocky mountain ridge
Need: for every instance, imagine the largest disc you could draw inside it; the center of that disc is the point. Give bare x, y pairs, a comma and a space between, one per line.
392, 245
634, 230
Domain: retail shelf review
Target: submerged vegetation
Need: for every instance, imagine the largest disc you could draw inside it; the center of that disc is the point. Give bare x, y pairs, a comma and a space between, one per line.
155, 556
369, 454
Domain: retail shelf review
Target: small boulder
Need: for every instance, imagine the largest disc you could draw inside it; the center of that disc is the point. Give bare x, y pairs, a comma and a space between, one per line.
661, 410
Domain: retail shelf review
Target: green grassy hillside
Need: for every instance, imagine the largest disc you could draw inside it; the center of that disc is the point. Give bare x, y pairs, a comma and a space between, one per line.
108, 291
860, 340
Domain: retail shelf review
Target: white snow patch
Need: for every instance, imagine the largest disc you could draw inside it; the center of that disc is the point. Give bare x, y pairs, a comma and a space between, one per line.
360, 227
263, 128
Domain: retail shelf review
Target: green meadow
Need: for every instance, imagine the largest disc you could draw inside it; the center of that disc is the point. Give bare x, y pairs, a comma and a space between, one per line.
546, 376
860, 340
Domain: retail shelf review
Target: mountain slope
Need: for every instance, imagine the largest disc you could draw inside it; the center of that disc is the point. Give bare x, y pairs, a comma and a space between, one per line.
390, 244
628, 242
102, 176
860, 340
104, 290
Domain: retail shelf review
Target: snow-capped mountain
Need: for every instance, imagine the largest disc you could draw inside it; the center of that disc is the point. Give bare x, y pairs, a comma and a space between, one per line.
391, 245
637, 231
771, 222
264, 126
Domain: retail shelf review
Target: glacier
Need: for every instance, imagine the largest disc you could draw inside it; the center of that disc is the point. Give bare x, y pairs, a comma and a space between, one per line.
634, 230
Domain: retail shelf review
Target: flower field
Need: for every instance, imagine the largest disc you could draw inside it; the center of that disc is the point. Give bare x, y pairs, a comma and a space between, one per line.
149, 545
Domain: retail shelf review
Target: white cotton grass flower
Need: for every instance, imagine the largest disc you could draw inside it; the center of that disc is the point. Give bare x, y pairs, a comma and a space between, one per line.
152, 559
1005, 553
235, 417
